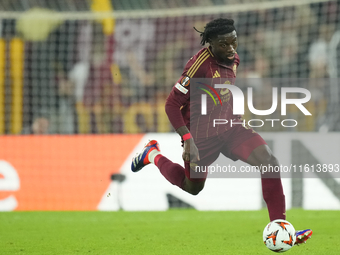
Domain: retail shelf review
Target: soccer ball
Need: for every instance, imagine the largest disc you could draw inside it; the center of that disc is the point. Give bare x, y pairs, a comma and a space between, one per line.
279, 235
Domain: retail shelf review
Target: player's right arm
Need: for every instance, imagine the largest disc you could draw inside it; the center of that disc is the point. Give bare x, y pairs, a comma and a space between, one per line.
190, 150
179, 97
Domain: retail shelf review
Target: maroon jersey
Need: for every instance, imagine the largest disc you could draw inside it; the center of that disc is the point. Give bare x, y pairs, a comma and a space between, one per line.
183, 108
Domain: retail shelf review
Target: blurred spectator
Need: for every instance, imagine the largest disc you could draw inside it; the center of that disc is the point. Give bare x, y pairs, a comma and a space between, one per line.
135, 43
319, 52
98, 89
47, 61
40, 126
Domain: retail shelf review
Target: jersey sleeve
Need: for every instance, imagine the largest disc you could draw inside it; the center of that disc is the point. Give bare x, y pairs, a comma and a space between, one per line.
180, 93
178, 97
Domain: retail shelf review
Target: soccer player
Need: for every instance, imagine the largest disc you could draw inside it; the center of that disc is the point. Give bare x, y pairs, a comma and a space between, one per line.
203, 143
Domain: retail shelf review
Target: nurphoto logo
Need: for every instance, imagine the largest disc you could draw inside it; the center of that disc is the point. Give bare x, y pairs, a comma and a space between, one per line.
239, 102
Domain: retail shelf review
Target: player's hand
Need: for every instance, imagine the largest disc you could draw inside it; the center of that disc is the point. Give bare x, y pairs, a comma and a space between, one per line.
190, 151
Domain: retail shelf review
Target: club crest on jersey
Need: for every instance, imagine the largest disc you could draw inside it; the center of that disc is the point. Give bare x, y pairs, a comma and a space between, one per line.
234, 69
225, 91
185, 82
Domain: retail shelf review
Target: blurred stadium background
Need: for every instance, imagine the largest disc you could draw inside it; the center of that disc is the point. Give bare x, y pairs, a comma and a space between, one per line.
94, 75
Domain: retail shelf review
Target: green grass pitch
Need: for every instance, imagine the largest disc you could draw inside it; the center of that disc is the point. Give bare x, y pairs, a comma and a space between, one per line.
171, 232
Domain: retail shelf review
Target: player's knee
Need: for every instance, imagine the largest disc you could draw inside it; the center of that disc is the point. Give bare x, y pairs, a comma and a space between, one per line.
267, 158
194, 188
273, 160
195, 191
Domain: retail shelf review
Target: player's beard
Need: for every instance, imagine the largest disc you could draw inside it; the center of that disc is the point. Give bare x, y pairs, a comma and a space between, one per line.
229, 62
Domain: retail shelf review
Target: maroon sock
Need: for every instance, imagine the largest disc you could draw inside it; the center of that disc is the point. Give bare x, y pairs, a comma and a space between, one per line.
273, 195
173, 172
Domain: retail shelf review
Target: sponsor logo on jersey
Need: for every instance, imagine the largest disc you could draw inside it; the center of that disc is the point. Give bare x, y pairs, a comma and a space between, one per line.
216, 75
181, 88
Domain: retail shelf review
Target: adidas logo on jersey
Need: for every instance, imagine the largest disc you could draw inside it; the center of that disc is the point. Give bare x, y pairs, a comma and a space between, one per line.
216, 75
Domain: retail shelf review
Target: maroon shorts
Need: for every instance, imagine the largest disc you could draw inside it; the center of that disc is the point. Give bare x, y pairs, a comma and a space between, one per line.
236, 143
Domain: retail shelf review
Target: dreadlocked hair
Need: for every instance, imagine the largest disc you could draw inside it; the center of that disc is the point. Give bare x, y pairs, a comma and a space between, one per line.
216, 27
